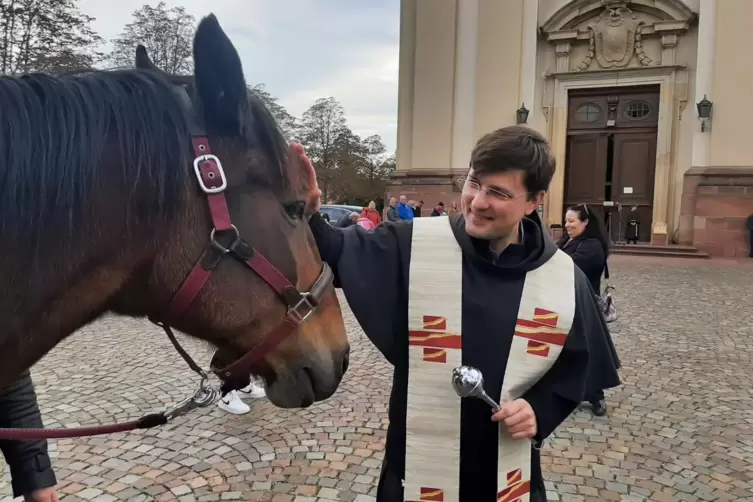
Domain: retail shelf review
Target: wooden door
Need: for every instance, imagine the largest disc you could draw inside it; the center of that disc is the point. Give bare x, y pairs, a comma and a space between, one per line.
634, 164
611, 153
585, 174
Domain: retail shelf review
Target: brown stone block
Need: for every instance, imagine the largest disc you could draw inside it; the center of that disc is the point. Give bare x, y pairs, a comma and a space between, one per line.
685, 231
715, 249
736, 190
715, 226
707, 190
720, 207
687, 204
737, 224
690, 184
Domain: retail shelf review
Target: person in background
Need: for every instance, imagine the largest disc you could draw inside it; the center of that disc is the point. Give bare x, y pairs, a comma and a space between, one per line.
371, 213
453, 208
633, 227
347, 221
417, 209
587, 244
364, 222
438, 209
404, 210
31, 471
392, 213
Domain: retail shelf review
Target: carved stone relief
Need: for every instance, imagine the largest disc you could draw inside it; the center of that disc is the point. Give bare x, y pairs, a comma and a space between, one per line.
613, 32
615, 37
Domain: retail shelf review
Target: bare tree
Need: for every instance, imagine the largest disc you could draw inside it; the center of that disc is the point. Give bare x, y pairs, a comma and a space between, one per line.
376, 166
325, 135
167, 35
288, 124
50, 36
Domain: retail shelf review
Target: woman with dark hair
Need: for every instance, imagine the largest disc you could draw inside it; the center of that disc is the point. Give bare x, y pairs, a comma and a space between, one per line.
588, 245
586, 242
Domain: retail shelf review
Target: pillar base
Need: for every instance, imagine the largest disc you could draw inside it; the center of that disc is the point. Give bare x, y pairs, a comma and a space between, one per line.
716, 203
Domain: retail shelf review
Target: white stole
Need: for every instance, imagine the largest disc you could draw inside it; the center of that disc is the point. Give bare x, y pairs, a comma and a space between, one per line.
545, 315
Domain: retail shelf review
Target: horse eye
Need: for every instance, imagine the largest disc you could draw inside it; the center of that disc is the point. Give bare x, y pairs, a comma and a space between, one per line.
295, 209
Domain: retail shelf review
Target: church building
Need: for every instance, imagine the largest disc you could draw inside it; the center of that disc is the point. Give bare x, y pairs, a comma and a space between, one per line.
646, 103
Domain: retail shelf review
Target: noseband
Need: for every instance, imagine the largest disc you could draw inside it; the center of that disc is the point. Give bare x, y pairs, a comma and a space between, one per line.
300, 305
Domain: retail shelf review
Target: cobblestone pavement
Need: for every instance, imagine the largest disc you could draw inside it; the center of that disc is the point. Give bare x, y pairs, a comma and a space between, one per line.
680, 428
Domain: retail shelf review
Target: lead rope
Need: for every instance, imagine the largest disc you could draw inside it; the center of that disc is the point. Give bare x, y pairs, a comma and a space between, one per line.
204, 396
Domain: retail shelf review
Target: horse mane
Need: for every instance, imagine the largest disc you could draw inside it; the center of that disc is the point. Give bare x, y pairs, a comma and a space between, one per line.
56, 130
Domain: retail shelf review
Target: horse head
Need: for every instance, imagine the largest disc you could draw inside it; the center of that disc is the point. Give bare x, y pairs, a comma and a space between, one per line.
136, 145
265, 194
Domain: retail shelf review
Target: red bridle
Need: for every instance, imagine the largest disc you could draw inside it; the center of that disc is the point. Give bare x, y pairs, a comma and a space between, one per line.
300, 306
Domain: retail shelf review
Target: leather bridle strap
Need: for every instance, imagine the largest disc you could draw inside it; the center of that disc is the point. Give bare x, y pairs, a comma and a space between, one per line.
299, 305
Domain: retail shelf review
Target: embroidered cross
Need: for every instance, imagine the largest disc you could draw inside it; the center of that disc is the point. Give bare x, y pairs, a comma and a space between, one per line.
516, 488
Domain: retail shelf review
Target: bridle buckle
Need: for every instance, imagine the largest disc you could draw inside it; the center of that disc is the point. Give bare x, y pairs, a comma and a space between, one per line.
303, 309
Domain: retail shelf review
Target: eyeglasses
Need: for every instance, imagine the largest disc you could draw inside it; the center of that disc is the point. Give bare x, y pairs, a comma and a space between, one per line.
472, 187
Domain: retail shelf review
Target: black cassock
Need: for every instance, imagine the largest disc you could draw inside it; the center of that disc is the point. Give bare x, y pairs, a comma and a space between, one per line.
372, 268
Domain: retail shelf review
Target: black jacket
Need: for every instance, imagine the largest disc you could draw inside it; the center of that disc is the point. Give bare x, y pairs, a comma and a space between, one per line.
588, 255
30, 466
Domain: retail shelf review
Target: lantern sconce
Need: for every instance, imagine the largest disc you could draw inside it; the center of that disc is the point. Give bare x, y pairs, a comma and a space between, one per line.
522, 114
704, 107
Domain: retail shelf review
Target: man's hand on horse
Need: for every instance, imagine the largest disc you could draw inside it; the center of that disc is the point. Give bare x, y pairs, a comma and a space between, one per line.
519, 418
314, 198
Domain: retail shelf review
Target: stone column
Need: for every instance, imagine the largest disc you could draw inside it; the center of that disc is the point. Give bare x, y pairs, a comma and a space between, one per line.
701, 157
406, 85
464, 107
529, 43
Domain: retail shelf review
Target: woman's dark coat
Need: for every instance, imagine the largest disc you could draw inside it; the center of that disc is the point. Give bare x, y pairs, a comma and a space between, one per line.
588, 255
30, 466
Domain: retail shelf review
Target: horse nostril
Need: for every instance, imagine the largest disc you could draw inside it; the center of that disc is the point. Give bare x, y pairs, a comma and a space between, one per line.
346, 361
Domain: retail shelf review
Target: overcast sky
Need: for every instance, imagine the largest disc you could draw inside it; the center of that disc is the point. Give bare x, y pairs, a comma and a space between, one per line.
302, 50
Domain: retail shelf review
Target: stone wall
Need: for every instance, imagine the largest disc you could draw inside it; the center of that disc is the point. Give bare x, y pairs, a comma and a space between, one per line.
716, 203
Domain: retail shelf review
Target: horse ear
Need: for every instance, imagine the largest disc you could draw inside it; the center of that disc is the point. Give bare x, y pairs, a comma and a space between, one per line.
142, 59
219, 78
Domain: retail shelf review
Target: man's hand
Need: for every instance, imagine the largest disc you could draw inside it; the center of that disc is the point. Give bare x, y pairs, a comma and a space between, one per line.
43, 495
314, 197
519, 418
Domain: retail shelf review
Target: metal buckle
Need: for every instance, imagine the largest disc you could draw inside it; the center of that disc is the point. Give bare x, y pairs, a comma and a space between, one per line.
204, 396
303, 302
206, 158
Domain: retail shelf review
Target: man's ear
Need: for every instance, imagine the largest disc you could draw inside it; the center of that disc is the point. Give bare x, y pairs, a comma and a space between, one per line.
535, 202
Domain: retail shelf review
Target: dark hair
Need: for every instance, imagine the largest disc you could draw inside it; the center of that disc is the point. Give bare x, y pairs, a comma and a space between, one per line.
516, 148
595, 226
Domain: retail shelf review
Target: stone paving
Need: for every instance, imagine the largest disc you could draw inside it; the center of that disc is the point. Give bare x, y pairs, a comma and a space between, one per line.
680, 428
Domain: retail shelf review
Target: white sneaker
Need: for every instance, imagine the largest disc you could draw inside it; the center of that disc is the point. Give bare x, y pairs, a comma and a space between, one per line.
231, 403
252, 391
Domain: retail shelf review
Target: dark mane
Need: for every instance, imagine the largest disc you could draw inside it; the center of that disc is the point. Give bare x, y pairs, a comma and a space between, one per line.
54, 133
265, 134
55, 130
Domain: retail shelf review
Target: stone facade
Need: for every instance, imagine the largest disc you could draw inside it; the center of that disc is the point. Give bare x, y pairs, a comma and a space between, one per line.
466, 66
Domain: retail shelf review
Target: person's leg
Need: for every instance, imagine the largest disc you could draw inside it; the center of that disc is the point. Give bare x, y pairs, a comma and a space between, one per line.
598, 404
254, 390
231, 403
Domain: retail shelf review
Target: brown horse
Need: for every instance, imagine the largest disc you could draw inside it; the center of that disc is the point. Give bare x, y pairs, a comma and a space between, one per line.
103, 208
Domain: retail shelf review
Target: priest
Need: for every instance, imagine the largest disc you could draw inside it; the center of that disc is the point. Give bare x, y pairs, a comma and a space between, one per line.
487, 288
